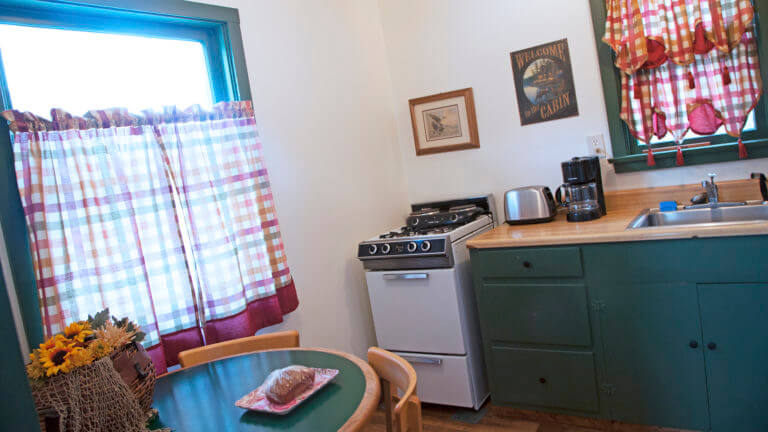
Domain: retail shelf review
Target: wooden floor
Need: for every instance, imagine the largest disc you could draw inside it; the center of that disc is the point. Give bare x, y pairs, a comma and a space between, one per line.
438, 418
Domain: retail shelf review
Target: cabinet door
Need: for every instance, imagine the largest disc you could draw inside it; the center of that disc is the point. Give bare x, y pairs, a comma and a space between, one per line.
734, 321
654, 375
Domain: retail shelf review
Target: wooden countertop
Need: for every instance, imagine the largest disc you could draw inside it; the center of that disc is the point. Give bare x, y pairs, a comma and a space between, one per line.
623, 206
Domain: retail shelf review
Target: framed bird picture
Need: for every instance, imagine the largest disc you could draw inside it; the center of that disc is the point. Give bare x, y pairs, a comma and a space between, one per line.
444, 122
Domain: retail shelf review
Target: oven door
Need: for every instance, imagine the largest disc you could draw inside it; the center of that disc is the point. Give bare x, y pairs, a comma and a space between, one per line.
417, 310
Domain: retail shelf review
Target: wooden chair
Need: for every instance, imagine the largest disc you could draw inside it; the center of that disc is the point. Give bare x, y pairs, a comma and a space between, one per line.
396, 373
208, 353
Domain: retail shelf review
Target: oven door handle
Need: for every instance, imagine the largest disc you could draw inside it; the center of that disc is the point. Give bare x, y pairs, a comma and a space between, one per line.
406, 276
423, 360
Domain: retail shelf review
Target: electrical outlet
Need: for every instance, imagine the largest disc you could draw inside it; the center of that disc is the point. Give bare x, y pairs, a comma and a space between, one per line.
596, 145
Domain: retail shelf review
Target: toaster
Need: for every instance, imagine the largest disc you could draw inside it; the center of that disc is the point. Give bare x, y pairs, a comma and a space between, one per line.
529, 204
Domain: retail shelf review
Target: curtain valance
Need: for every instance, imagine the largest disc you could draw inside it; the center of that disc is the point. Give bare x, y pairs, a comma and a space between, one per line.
685, 65
674, 98
646, 33
121, 117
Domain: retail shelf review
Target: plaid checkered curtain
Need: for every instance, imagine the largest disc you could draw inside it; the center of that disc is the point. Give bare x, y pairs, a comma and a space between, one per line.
102, 225
226, 200
671, 100
686, 65
148, 215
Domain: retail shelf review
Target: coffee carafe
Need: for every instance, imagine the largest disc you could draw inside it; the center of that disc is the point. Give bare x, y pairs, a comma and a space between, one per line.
582, 191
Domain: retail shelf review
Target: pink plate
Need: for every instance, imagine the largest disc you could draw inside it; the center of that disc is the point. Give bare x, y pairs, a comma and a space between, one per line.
256, 400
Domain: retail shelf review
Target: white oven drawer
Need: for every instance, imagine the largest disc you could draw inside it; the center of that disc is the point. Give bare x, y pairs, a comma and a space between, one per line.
416, 310
442, 379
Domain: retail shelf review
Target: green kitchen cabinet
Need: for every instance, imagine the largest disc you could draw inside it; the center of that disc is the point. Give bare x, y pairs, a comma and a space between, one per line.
653, 358
554, 314
668, 333
734, 321
536, 329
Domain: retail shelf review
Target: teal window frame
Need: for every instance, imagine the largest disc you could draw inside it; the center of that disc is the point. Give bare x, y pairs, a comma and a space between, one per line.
628, 155
216, 28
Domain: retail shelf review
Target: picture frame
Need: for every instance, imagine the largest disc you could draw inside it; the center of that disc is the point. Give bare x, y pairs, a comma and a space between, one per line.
444, 122
544, 82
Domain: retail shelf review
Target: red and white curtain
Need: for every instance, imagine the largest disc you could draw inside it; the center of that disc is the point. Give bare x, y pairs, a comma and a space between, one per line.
686, 65
166, 218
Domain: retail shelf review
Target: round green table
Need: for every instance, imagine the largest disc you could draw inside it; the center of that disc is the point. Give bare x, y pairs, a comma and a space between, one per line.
202, 398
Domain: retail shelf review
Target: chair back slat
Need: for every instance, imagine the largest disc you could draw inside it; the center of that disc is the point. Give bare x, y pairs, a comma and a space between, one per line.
397, 374
209, 353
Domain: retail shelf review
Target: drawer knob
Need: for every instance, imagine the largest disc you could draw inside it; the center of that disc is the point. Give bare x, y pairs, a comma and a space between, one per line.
712, 346
527, 264
693, 344
543, 380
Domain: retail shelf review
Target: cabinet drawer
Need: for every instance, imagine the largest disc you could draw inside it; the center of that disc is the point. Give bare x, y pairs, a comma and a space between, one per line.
528, 263
553, 379
552, 314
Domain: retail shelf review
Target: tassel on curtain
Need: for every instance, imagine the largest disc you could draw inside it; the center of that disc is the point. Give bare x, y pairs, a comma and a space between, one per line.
165, 217
742, 149
679, 55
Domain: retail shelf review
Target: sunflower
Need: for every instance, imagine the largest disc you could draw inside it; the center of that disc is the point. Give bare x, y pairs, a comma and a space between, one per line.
50, 343
80, 357
78, 331
35, 368
56, 359
99, 348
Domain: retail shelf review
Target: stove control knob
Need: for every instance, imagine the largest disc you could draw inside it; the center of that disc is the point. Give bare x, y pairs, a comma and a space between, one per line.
412, 246
385, 248
426, 246
372, 249
414, 221
454, 217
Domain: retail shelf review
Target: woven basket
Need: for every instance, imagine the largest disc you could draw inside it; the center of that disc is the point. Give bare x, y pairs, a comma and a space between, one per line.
91, 398
135, 366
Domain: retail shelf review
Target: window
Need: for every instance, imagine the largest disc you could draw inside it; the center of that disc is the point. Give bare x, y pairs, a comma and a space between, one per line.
195, 50
630, 155
130, 71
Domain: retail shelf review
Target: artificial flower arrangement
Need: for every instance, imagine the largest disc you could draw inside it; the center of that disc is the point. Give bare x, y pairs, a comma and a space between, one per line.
81, 343
94, 375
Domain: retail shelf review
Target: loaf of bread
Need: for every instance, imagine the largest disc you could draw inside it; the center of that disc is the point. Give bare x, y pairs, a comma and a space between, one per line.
284, 385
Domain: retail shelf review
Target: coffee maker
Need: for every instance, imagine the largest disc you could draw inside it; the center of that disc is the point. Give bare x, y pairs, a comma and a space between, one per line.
583, 189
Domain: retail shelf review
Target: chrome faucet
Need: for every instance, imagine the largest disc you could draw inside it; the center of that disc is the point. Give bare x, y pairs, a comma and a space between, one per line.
712, 195
711, 189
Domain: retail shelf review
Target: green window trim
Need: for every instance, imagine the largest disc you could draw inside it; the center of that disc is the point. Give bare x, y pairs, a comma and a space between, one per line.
216, 27
627, 153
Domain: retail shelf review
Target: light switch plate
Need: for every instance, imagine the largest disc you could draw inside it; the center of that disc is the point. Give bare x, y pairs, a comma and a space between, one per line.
596, 145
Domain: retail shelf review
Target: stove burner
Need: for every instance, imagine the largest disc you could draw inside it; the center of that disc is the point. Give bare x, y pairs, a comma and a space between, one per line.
427, 219
425, 212
410, 232
440, 230
404, 232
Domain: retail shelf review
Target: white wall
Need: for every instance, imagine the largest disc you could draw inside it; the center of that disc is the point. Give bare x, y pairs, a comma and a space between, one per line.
331, 81
441, 45
323, 101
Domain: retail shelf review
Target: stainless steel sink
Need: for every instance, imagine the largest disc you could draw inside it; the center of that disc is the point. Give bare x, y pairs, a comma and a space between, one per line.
701, 216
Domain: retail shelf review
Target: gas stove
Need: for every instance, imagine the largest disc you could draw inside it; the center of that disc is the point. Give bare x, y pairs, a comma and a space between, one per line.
424, 242
419, 282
